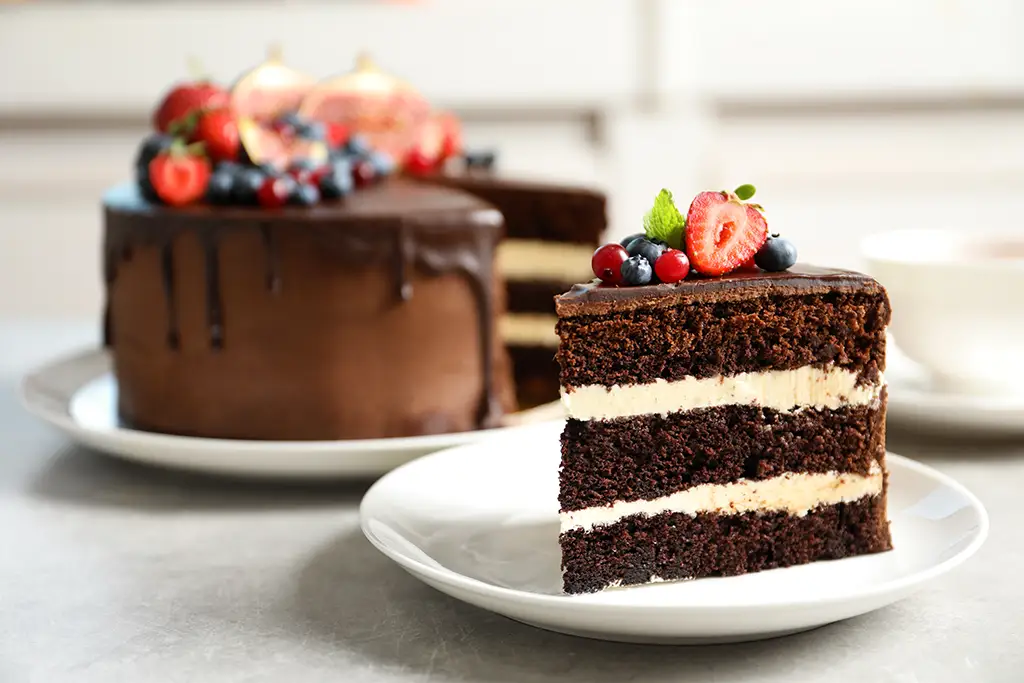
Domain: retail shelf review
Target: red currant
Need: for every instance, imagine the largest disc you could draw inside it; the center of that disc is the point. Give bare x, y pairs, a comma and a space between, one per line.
419, 162
607, 263
672, 266
363, 173
274, 192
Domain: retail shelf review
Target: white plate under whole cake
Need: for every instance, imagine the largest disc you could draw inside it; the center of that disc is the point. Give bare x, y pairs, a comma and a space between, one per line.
480, 523
78, 395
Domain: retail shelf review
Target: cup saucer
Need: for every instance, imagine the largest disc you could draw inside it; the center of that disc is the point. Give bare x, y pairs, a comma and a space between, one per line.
918, 399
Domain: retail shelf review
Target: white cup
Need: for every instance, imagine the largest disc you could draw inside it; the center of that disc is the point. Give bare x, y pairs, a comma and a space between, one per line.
958, 304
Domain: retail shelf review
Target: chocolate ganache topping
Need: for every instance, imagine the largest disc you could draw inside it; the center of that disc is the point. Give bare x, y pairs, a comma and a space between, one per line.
408, 224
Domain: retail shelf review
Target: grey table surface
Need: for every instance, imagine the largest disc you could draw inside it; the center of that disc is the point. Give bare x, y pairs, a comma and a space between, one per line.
115, 572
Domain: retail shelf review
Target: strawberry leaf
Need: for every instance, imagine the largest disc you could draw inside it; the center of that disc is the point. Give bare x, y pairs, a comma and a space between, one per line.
745, 192
664, 222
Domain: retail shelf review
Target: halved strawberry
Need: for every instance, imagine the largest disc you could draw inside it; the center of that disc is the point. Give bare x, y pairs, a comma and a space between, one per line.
179, 176
722, 233
185, 99
217, 129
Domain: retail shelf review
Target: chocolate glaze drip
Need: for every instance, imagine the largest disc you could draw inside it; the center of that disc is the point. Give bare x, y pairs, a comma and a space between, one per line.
435, 246
167, 273
273, 266
214, 307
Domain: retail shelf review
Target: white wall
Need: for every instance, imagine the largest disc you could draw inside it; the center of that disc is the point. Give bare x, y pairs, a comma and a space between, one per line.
851, 117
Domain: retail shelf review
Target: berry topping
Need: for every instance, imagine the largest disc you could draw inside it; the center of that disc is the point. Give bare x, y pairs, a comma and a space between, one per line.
358, 146
305, 170
186, 99
220, 189
311, 130
383, 164
248, 182
275, 191
672, 266
179, 176
337, 135
481, 159
722, 232
336, 185
625, 242
150, 147
776, 255
650, 250
364, 173
218, 131
305, 194
418, 162
607, 263
636, 270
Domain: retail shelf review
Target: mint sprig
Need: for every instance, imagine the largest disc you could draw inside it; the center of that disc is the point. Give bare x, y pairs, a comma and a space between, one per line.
745, 192
664, 222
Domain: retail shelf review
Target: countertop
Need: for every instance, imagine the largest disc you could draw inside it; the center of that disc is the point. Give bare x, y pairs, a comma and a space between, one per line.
115, 572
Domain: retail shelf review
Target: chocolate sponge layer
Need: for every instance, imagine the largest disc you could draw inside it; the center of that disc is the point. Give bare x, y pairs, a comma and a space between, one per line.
705, 339
678, 546
640, 458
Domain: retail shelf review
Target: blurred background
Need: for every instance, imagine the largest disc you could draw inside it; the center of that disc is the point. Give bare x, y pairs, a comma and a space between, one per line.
850, 116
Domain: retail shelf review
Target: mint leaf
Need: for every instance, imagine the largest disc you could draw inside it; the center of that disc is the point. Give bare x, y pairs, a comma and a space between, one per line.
745, 192
664, 222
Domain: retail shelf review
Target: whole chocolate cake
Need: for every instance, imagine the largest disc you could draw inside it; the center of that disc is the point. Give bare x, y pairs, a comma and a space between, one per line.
370, 318
725, 415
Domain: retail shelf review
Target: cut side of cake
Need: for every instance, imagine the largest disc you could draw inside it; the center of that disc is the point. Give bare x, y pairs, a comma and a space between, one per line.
720, 426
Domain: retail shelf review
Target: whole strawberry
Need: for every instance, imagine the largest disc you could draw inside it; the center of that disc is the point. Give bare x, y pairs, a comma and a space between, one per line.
185, 99
723, 232
179, 175
217, 129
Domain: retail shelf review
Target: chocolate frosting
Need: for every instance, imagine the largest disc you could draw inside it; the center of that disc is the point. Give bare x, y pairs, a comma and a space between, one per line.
597, 298
401, 222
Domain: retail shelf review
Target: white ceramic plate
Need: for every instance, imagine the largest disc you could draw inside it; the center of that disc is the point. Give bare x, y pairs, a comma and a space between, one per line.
915, 401
78, 395
480, 523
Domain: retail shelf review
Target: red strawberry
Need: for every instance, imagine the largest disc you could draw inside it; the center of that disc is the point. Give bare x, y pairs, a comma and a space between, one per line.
186, 98
748, 265
722, 232
178, 176
337, 135
218, 131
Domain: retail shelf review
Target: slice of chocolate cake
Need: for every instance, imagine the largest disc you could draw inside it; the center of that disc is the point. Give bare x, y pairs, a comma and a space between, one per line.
720, 426
551, 233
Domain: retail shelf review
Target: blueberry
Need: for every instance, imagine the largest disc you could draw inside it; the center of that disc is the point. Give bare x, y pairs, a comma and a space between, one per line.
230, 167
146, 188
336, 184
358, 145
776, 255
247, 184
268, 168
481, 159
151, 146
312, 130
626, 241
220, 189
304, 165
340, 153
291, 119
383, 164
636, 270
642, 246
304, 194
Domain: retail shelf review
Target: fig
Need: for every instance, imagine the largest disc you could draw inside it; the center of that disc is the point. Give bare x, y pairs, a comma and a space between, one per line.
265, 144
367, 101
270, 90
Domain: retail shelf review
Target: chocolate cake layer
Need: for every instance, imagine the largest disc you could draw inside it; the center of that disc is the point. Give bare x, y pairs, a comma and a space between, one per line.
534, 297
535, 373
673, 546
641, 458
784, 330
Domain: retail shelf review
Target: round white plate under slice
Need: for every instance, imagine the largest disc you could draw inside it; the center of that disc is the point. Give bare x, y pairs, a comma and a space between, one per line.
915, 401
78, 395
480, 523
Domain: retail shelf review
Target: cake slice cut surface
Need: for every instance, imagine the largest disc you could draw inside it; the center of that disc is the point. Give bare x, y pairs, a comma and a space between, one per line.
719, 426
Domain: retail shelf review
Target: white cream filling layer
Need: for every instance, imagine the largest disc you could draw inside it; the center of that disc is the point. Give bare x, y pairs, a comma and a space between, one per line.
793, 493
806, 387
528, 329
520, 260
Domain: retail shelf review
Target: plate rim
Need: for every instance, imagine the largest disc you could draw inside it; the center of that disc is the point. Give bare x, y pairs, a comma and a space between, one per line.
486, 590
